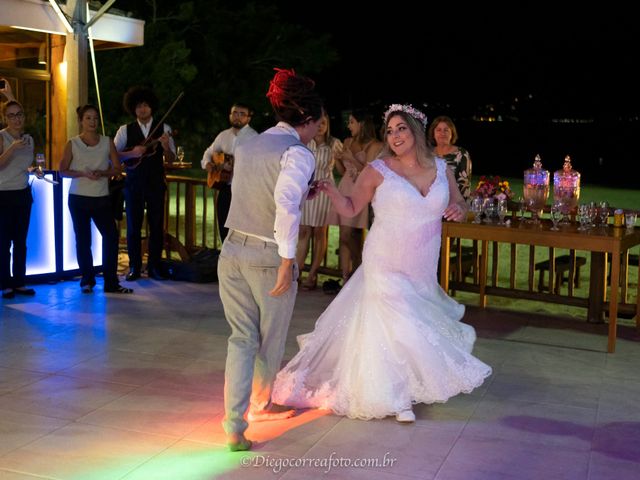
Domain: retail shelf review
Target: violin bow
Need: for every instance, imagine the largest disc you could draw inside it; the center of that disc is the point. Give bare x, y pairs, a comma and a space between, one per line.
175, 102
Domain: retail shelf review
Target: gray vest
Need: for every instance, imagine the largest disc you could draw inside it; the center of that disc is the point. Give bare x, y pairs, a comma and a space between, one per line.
255, 172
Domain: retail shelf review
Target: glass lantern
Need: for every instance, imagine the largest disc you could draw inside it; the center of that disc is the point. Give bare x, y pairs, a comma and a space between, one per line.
536, 189
566, 188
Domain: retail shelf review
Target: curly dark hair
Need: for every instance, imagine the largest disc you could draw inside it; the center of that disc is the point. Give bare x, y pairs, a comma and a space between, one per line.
137, 95
294, 98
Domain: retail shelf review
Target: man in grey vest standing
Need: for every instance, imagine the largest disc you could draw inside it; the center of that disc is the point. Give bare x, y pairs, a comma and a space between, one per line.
257, 270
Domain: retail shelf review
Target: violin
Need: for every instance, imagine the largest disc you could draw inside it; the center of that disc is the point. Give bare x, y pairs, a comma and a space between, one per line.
222, 169
151, 145
150, 142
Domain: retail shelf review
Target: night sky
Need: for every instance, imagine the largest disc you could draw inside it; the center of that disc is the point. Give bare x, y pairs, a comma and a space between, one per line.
576, 62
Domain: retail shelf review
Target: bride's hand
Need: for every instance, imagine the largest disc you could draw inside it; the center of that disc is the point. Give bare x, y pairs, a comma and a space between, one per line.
455, 213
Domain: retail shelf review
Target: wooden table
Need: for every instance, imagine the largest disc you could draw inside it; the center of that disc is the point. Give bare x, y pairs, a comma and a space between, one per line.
598, 241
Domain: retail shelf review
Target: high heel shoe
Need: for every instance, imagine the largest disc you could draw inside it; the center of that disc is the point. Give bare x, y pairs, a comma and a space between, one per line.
310, 283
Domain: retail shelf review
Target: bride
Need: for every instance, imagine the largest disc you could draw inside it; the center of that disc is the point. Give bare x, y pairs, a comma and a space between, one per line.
392, 337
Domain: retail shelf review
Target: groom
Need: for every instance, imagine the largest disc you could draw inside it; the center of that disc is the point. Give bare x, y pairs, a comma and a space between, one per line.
257, 270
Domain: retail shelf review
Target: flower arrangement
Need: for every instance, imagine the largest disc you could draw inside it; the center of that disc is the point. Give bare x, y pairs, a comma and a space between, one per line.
493, 187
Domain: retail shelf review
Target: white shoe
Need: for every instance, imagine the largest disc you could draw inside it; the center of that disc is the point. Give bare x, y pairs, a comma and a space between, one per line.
406, 416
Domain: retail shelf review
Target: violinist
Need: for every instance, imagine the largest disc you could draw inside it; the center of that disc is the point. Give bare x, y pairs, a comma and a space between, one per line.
221, 171
145, 184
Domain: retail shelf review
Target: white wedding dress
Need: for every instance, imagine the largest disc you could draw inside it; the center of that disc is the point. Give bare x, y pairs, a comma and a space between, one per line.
392, 337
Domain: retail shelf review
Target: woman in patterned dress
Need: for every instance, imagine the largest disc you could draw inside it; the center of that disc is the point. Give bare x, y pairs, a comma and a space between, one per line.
443, 137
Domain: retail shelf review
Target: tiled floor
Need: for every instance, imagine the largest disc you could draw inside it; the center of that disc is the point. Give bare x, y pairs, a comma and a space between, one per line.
130, 387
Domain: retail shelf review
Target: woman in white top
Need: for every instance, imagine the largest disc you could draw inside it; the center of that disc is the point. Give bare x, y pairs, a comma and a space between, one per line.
16, 156
90, 159
315, 211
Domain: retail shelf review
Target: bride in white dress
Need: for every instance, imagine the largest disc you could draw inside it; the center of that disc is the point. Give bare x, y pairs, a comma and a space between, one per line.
392, 337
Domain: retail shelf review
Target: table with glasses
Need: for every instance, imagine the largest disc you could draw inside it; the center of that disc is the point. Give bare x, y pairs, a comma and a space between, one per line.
600, 242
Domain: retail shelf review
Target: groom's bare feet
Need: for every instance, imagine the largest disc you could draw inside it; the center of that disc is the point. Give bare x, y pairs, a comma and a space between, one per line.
273, 413
237, 442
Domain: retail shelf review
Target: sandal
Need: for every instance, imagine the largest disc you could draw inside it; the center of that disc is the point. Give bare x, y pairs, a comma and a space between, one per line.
119, 289
310, 283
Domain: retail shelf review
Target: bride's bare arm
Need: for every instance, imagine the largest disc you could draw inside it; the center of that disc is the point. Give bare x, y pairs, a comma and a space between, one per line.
361, 195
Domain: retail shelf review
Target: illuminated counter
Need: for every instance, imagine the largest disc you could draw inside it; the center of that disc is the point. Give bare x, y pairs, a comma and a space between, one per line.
51, 243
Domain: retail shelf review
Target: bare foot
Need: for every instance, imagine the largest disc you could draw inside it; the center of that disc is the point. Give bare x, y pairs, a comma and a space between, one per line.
267, 415
237, 442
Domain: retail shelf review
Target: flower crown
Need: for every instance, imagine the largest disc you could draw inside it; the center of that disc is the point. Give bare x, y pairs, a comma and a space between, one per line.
414, 112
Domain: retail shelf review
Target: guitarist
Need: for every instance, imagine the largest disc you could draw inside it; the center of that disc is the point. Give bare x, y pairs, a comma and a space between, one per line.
220, 167
145, 184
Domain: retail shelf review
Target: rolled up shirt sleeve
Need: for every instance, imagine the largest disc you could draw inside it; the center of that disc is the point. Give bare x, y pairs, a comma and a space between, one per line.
291, 188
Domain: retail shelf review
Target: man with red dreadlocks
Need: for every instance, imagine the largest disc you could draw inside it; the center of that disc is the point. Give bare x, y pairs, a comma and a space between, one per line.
257, 269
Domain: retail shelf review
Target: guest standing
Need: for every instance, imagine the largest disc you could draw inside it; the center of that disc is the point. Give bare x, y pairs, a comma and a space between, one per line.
226, 143
89, 159
443, 136
360, 149
314, 224
16, 156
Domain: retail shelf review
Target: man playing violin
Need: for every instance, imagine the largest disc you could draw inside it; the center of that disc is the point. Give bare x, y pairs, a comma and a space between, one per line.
145, 184
218, 159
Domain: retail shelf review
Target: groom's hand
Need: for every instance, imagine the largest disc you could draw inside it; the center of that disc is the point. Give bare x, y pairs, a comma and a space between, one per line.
285, 277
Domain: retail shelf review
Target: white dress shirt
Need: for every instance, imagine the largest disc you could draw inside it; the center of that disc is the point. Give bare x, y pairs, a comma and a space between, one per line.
120, 139
291, 189
226, 142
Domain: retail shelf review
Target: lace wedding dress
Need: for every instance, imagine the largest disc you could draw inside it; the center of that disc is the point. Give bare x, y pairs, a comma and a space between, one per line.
392, 337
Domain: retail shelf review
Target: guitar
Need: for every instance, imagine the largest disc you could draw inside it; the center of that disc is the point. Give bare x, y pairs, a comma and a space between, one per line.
222, 169
151, 145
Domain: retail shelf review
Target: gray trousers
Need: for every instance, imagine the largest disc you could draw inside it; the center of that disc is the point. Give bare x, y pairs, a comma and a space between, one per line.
247, 271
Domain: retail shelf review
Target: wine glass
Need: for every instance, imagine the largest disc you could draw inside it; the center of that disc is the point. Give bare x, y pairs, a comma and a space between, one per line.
556, 214
522, 208
477, 204
583, 217
604, 213
180, 153
502, 210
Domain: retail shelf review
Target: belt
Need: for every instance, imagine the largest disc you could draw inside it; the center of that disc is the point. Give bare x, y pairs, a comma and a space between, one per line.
249, 240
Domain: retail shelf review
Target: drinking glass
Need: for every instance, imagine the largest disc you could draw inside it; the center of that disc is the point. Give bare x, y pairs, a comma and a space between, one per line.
490, 210
604, 214
477, 205
180, 153
502, 210
630, 220
40, 165
556, 214
583, 217
522, 208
